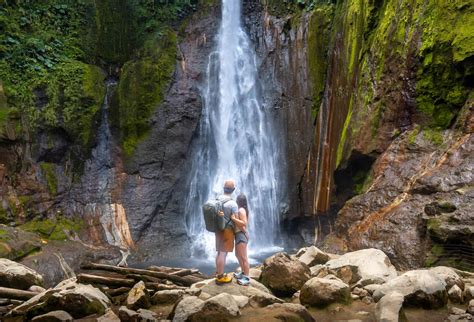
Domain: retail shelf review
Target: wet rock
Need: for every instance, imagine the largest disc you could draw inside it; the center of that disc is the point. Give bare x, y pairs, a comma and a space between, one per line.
419, 287
321, 292
455, 294
127, 315
138, 297
313, 256
167, 296
373, 266
15, 275
109, 316
283, 275
449, 276
79, 300
389, 308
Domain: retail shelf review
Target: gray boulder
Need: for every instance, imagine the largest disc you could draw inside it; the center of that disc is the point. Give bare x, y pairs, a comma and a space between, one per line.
373, 266
455, 294
389, 308
53, 316
284, 275
15, 275
138, 297
77, 299
324, 291
187, 307
419, 287
313, 256
147, 315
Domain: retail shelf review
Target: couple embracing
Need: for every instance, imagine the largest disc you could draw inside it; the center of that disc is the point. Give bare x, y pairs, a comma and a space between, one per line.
236, 214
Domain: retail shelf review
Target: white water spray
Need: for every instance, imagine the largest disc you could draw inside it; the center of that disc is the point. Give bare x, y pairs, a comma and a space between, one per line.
235, 141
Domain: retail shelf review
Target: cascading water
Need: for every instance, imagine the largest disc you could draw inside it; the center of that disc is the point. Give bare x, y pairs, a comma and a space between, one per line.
235, 140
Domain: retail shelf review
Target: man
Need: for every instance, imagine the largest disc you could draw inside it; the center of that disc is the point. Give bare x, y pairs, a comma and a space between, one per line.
225, 238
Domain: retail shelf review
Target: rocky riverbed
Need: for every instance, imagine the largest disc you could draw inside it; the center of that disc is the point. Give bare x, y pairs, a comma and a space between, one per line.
310, 285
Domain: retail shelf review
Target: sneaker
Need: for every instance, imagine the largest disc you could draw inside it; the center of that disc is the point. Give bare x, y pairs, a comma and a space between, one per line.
238, 275
244, 281
224, 278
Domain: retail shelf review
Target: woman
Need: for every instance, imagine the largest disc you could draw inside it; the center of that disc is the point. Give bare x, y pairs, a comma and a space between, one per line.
242, 239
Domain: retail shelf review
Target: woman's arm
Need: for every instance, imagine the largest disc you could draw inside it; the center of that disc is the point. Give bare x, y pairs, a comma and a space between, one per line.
241, 220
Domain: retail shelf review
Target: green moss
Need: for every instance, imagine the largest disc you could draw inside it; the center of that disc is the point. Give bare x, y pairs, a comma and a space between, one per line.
342, 141
435, 136
48, 171
433, 256
53, 229
318, 41
413, 135
142, 87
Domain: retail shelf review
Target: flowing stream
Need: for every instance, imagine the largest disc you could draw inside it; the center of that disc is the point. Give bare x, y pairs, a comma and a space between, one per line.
235, 140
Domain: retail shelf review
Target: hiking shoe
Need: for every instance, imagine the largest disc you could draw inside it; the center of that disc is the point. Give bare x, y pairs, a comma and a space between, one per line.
239, 275
222, 279
244, 281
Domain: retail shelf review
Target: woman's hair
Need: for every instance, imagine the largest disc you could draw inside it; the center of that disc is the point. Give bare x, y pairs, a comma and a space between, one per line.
242, 203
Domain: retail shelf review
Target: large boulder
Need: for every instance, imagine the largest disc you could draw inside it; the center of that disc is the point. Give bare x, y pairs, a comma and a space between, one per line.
79, 300
221, 307
138, 297
389, 308
373, 266
419, 287
16, 243
257, 293
284, 275
324, 291
15, 275
313, 256
187, 307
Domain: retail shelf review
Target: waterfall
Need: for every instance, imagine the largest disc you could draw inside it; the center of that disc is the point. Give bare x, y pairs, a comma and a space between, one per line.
235, 140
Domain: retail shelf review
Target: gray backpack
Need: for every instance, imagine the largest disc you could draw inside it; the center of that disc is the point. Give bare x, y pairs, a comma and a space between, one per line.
210, 210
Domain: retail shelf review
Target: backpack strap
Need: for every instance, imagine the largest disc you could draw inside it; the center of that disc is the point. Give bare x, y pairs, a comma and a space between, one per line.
223, 202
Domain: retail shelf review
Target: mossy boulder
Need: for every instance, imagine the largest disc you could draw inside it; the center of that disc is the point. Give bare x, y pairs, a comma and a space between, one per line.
53, 229
16, 243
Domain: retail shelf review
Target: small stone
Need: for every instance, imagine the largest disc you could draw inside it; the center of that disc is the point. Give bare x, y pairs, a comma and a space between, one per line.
167, 296
367, 300
109, 316
36, 289
470, 307
313, 256
363, 313
455, 294
127, 315
354, 297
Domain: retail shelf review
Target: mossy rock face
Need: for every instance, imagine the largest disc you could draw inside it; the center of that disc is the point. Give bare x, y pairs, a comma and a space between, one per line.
53, 229
142, 88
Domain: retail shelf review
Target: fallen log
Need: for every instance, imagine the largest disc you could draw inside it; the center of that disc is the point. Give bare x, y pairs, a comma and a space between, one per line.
145, 278
109, 281
12, 293
185, 272
126, 270
118, 291
164, 287
164, 269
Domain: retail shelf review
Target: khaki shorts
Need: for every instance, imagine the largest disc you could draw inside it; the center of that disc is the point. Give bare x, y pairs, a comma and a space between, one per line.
225, 240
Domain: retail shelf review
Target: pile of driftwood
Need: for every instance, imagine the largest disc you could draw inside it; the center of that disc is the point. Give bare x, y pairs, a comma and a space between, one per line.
115, 280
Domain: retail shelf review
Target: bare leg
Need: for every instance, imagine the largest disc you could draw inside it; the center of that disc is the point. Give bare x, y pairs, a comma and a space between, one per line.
238, 254
220, 262
241, 249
